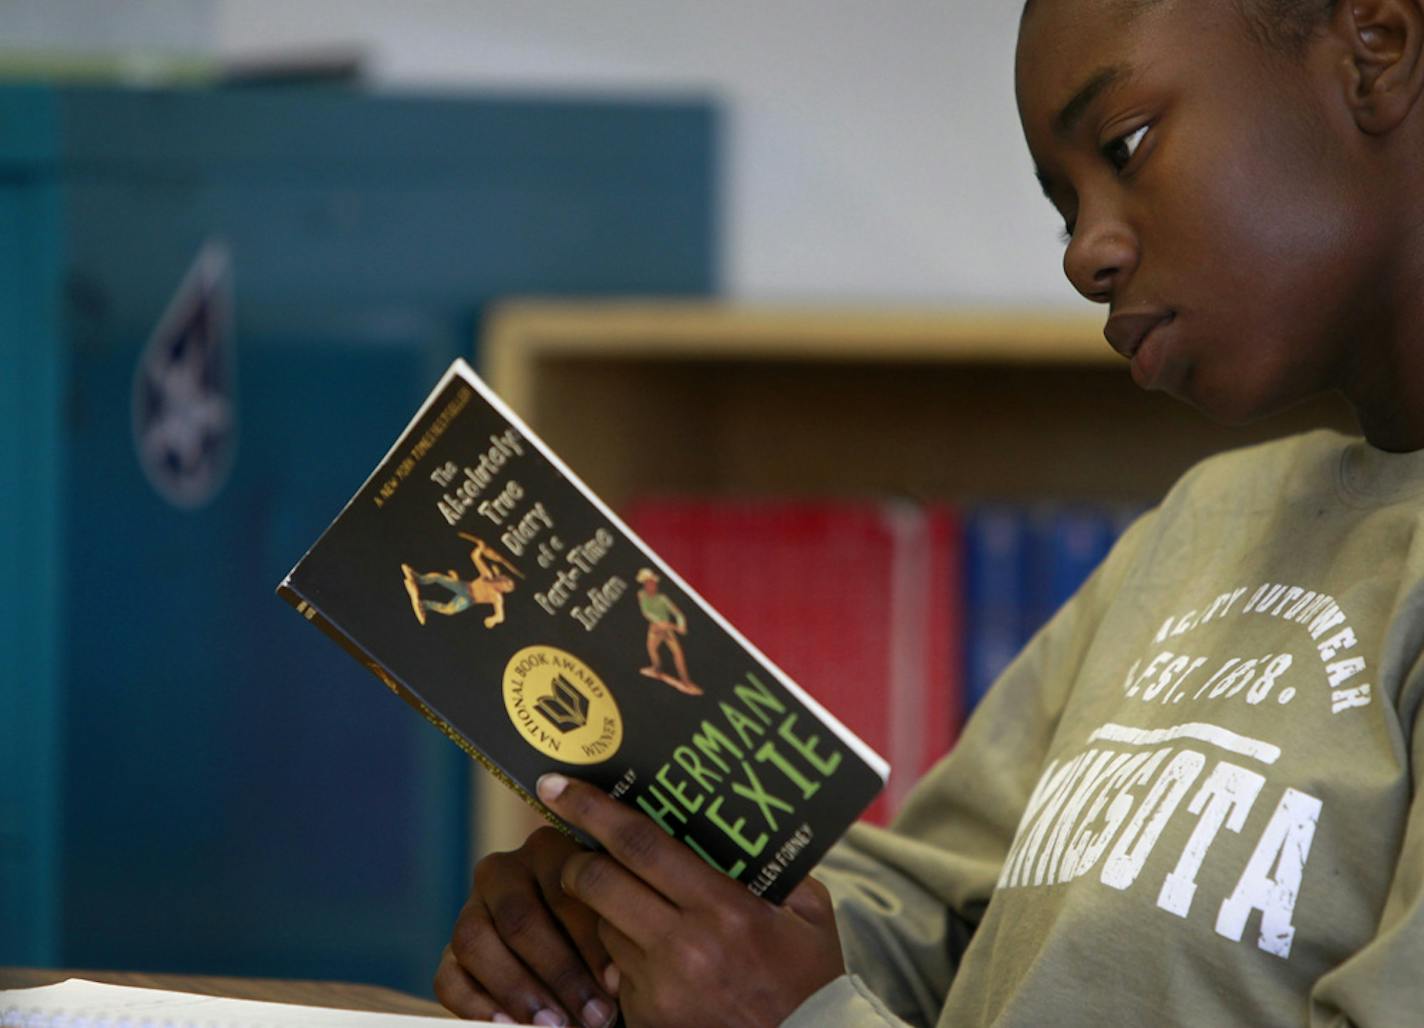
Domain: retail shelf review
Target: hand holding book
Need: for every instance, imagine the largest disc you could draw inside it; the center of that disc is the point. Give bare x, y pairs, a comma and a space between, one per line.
676, 942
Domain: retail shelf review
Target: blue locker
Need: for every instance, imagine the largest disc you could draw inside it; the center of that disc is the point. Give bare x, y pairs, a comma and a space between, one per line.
31, 467
193, 779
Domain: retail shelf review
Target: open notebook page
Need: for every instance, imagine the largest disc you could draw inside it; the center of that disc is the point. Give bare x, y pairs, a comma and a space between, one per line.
82, 1004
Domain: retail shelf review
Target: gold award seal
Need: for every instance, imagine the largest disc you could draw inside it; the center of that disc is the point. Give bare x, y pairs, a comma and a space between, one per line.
561, 707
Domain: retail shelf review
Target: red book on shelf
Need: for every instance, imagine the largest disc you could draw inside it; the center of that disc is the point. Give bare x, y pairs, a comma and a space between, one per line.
858, 602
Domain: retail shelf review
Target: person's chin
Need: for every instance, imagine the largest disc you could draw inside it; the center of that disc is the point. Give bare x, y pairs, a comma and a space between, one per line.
1165, 370
1232, 404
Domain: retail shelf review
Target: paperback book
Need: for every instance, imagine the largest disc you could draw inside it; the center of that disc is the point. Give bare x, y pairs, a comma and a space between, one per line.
484, 584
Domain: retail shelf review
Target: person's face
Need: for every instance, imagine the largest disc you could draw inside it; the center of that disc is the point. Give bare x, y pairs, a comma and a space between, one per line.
1205, 185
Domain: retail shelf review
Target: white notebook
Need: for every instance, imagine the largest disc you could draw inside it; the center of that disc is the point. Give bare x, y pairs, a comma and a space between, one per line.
82, 1004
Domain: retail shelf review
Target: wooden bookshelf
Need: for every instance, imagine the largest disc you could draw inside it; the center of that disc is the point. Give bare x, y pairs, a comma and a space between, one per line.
692, 397
945, 405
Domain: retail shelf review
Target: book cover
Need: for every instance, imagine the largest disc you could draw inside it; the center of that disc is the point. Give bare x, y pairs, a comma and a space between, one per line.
848, 596
482, 582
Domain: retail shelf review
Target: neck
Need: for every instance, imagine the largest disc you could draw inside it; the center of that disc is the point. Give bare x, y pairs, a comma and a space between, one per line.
1396, 431
1383, 378
1387, 391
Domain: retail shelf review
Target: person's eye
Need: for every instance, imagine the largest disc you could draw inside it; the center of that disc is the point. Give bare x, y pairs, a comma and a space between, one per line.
1065, 234
1120, 151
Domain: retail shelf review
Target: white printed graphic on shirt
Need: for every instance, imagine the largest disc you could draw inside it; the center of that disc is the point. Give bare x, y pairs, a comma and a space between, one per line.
1102, 811
1317, 613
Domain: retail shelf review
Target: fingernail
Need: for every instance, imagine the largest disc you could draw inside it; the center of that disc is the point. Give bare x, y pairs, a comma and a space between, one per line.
597, 1014
551, 787
550, 1018
611, 978
503, 1018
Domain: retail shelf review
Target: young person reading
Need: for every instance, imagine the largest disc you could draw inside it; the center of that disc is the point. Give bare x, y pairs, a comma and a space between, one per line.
1191, 800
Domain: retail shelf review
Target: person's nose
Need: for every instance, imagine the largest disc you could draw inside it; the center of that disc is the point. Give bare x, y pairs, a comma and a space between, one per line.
1101, 256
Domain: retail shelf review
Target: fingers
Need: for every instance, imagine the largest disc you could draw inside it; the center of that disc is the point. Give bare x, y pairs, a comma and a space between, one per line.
459, 994
635, 841
509, 940
812, 901
623, 950
579, 922
620, 899
494, 969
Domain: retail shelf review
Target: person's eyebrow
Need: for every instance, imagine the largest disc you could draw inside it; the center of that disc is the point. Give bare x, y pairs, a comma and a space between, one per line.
1094, 87
1072, 112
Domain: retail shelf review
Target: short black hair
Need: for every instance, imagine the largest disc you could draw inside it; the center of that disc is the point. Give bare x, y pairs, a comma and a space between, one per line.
1286, 25
1283, 25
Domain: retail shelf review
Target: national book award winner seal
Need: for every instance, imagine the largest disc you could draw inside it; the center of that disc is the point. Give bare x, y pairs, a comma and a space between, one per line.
560, 706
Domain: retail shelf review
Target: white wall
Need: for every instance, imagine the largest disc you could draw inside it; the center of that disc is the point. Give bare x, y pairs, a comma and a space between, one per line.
108, 27
873, 153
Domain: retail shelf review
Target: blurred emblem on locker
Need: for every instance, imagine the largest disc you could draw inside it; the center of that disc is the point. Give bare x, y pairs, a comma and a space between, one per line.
184, 396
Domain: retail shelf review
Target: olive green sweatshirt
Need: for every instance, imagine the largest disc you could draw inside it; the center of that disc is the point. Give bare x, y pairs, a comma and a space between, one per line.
1191, 799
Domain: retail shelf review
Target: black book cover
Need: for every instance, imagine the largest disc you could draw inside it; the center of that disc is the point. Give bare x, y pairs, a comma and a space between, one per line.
484, 584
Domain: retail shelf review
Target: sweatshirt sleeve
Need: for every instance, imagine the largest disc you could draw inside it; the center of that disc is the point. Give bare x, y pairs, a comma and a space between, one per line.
1382, 983
908, 898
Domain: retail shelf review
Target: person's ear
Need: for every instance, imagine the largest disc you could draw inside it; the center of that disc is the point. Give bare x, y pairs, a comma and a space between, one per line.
1385, 59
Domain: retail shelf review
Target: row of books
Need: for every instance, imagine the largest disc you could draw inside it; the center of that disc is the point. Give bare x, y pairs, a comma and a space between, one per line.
896, 616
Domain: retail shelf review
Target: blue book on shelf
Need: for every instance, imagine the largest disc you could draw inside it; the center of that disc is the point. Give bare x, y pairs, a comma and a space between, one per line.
1069, 542
996, 543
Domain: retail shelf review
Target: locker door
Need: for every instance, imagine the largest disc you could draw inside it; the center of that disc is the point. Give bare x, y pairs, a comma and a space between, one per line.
352, 851
30, 449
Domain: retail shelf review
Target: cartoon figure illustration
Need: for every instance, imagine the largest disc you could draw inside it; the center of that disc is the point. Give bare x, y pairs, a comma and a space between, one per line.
665, 624
488, 587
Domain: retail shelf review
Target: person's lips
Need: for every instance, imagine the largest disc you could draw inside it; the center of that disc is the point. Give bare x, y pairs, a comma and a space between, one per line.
1126, 330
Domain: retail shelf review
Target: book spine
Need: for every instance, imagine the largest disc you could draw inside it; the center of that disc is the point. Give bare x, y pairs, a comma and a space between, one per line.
315, 616
1070, 542
948, 630
996, 544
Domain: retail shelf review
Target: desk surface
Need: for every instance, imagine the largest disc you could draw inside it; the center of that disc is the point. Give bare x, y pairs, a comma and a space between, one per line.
338, 995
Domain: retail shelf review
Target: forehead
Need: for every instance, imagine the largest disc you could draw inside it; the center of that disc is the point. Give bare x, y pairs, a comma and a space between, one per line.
1064, 45
1062, 40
